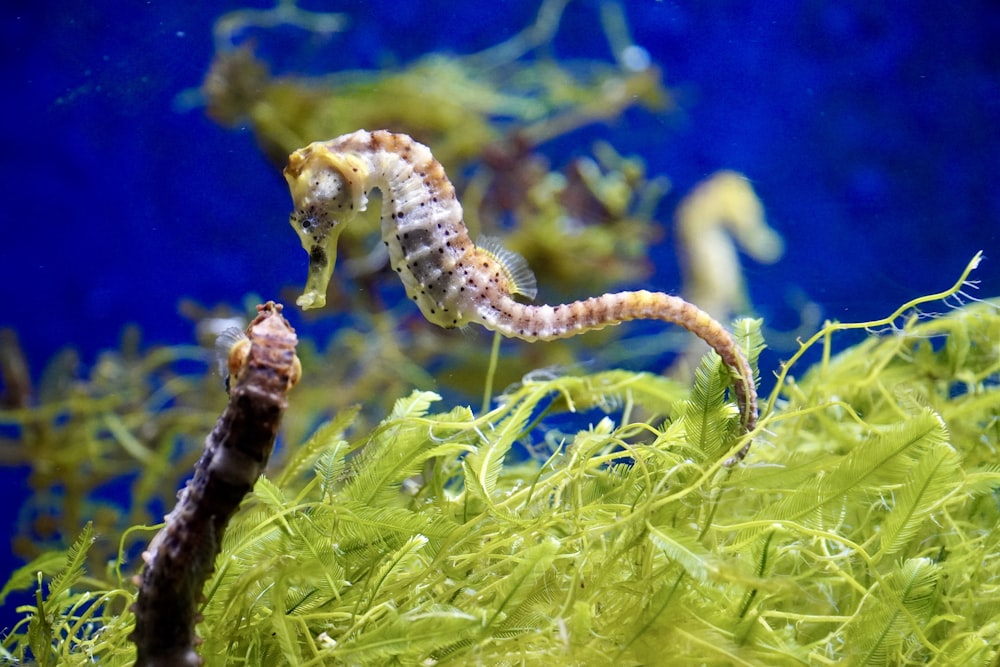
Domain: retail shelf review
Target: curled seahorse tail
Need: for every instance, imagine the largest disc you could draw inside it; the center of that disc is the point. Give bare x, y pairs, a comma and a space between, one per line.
543, 322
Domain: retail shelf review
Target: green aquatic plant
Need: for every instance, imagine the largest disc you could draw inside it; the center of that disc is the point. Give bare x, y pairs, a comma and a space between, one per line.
133, 420
861, 530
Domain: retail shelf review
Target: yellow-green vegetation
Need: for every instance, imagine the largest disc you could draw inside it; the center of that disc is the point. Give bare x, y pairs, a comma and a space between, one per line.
135, 421
862, 529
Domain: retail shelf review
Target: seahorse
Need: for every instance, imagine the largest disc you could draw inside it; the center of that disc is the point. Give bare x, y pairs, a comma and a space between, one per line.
453, 280
263, 367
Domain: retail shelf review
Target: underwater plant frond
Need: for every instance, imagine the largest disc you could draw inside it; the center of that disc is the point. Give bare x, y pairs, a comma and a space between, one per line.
884, 452
608, 390
426, 632
483, 465
401, 562
329, 468
982, 481
863, 532
73, 569
709, 422
884, 629
53, 613
697, 561
749, 335
319, 444
931, 481
396, 451
47, 564
530, 565
890, 321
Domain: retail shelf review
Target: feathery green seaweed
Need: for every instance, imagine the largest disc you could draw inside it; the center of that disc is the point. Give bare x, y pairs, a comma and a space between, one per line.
861, 530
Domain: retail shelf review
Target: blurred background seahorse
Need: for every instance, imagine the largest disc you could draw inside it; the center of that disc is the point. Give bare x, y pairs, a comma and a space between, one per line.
719, 217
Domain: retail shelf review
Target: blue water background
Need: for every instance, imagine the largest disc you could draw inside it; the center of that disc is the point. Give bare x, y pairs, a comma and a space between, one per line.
868, 129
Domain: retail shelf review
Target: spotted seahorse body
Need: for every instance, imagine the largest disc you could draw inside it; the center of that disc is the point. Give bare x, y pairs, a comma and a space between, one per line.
453, 280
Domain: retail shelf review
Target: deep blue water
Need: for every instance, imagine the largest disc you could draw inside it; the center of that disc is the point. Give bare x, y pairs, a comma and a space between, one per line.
870, 134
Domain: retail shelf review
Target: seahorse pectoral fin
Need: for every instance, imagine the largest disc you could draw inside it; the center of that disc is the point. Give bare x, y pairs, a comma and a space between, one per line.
520, 278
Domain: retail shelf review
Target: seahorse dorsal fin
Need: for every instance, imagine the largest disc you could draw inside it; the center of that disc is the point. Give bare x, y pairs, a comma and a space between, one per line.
519, 275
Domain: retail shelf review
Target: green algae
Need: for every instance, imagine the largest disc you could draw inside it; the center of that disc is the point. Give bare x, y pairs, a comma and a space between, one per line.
862, 529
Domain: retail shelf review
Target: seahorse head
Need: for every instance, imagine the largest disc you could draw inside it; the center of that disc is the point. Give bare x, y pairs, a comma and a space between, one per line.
327, 191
